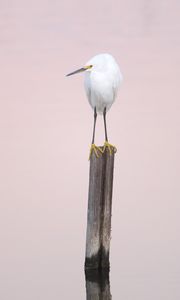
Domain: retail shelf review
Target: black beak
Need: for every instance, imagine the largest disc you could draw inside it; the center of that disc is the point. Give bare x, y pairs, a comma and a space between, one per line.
77, 71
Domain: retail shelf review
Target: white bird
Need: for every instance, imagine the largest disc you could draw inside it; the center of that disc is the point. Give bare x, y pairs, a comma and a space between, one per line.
102, 80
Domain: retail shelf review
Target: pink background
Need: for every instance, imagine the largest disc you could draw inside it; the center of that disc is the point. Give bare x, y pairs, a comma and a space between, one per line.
45, 134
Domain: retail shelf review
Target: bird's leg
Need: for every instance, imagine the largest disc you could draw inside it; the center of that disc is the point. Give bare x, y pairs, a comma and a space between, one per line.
94, 127
93, 146
105, 128
106, 143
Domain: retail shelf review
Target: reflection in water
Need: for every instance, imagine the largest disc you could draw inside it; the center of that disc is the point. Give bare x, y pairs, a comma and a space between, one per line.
97, 285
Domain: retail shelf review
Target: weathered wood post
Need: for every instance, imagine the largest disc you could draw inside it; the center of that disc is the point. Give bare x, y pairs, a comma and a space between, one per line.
97, 285
99, 211
107, 209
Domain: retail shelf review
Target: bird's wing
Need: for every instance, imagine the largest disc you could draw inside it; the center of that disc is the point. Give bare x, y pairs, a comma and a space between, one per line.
115, 87
88, 92
114, 91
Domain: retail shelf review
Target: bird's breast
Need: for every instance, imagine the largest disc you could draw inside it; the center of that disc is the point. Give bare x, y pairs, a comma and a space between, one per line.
101, 89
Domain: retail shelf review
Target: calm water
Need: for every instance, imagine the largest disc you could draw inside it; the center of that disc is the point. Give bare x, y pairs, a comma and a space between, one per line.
45, 132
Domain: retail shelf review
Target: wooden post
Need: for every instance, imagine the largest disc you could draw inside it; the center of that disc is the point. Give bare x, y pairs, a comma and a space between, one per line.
97, 285
107, 209
99, 211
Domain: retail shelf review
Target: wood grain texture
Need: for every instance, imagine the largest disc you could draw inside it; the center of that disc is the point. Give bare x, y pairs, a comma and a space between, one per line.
99, 211
106, 209
97, 285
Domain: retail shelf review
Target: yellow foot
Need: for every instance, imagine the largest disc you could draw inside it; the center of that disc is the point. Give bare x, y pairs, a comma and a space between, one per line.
110, 147
97, 150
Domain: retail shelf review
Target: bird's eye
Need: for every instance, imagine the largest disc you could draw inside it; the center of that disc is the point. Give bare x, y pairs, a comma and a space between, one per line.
91, 66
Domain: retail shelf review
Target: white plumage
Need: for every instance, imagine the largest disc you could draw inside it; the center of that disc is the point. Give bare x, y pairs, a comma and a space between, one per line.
102, 81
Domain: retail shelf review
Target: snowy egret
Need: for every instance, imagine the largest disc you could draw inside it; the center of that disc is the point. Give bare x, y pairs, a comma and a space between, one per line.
102, 80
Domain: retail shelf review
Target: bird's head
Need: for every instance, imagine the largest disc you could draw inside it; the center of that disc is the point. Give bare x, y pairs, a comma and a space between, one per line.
99, 63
